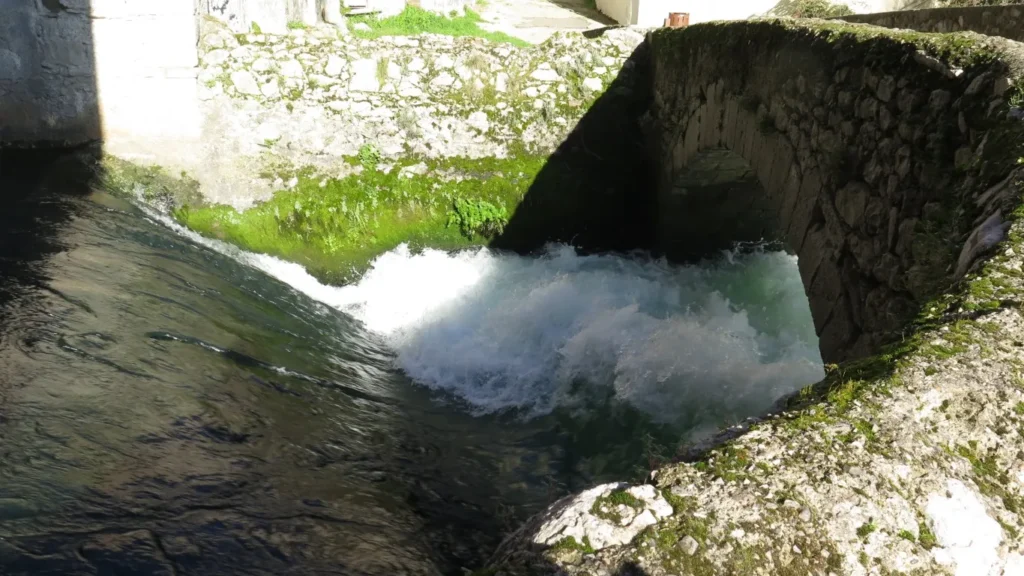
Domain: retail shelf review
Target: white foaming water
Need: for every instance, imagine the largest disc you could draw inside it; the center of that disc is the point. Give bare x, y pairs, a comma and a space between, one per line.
503, 331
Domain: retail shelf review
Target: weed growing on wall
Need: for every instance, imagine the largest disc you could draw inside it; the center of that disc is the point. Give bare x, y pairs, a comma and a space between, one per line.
477, 218
369, 156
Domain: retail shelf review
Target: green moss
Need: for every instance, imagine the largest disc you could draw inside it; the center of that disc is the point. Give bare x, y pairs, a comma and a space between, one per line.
907, 535
334, 227
413, 20
151, 183
607, 506
866, 528
992, 479
570, 544
925, 536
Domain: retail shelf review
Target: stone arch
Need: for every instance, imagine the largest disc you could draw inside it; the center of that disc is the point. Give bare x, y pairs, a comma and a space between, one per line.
867, 150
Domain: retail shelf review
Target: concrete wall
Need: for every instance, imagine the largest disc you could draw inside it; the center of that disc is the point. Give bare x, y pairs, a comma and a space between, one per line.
73, 71
1006, 21
57, 101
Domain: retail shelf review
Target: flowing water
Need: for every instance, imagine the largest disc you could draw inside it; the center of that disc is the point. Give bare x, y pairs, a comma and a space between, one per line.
170, 404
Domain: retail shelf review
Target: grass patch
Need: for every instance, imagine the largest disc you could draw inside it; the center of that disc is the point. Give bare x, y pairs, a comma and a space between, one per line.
570, 544
334, 227
413, 20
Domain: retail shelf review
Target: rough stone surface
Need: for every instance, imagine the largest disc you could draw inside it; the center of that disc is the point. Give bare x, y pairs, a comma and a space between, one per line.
862, 170
429, 95
576, 518
1005, 21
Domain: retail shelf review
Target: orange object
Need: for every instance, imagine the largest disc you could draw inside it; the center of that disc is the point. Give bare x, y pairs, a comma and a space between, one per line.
677, 20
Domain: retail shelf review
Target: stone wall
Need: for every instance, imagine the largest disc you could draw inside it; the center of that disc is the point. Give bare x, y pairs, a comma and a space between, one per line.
869, 156
72, 71
312, 97
1006, 21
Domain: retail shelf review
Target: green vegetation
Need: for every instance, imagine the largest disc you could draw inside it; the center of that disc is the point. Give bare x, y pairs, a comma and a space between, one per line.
295, 25
478, 218
570, 544
152, 183
369, 156
927, 537
607, 506
334, 227
413, 20
811, 9
866, 528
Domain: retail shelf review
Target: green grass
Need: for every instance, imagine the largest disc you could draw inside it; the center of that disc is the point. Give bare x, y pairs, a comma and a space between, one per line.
412, 21
334, 230
295, 25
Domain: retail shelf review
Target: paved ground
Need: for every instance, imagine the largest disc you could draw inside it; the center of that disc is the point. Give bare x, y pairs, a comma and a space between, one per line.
536, 20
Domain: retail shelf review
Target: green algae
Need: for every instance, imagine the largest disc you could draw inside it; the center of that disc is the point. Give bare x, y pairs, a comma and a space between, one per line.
152, 184
607, 506
335, 226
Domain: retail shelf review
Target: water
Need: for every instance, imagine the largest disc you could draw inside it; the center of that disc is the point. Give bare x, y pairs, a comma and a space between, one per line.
172, 402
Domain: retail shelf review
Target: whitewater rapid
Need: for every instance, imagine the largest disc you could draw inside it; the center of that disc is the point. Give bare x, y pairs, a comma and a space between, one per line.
501, 331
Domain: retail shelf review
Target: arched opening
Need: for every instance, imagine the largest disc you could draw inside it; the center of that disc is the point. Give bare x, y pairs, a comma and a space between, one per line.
715, 182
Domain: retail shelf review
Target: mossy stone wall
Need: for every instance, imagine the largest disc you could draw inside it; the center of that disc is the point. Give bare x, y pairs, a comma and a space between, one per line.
874, 150
1005, 21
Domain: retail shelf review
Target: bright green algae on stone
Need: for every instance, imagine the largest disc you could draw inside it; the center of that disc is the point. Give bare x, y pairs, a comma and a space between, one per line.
335, 226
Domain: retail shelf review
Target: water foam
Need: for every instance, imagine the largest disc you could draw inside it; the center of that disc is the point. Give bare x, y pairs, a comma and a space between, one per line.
502, 331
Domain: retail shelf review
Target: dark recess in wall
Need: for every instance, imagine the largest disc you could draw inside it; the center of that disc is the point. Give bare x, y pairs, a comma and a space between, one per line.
595, 190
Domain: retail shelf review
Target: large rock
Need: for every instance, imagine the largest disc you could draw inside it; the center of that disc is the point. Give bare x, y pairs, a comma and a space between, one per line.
587, 518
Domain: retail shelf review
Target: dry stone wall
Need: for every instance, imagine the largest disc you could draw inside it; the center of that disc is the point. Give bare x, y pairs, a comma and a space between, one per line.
871, 156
